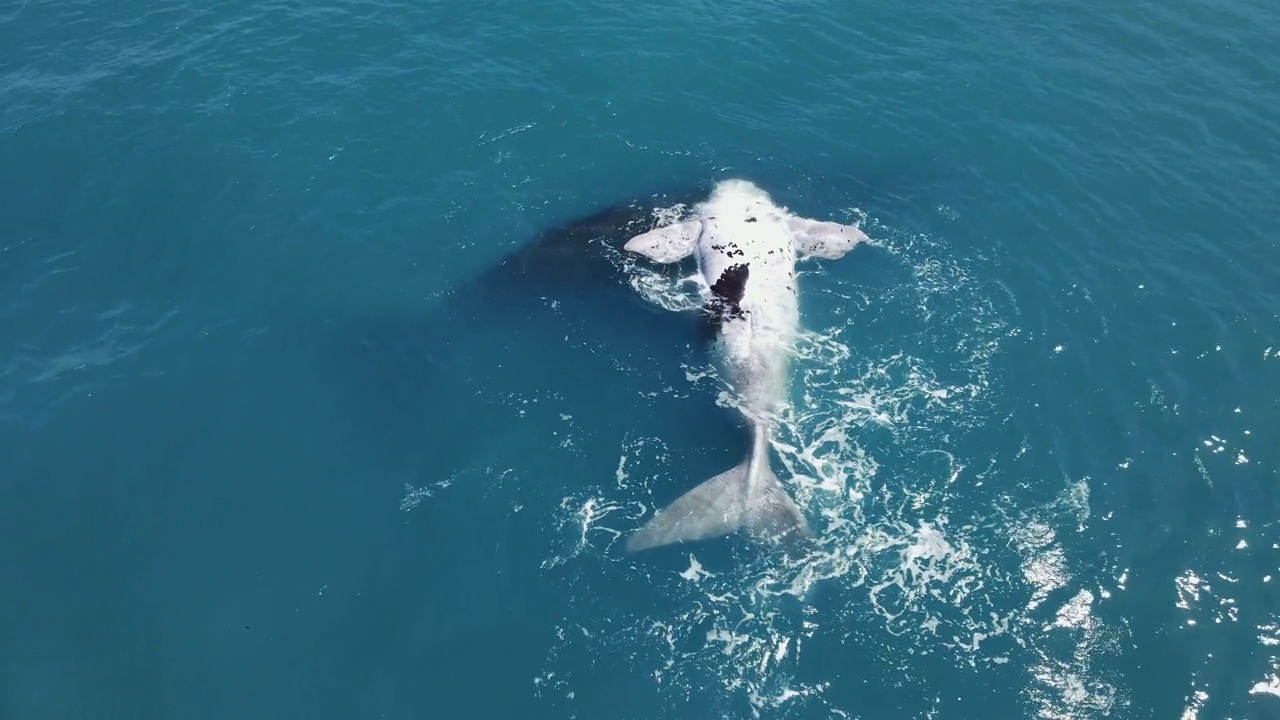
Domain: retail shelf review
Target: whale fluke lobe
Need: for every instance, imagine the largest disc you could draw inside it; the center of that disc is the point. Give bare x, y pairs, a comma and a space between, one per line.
746, 497
711, 509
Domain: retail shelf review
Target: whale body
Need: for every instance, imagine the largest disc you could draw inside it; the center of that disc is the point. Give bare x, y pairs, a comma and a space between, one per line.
746, 249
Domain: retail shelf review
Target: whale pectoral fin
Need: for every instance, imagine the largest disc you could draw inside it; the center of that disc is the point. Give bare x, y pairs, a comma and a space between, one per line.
667, 244
823, 239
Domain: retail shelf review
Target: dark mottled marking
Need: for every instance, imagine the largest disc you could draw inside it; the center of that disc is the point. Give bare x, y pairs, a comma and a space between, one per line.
751, 219
732, 284
727, 295
730, 250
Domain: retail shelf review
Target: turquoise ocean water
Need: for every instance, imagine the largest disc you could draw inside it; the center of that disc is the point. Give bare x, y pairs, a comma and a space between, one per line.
322, 396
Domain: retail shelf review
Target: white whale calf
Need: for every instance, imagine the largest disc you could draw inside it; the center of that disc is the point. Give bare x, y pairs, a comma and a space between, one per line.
746, 248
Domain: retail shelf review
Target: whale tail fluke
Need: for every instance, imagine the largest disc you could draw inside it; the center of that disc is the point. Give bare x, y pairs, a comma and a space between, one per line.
747, 497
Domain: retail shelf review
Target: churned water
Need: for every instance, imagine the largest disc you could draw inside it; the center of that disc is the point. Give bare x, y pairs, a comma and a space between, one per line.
324, 393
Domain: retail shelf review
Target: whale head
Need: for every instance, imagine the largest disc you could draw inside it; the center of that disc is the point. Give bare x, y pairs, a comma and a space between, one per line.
740, 200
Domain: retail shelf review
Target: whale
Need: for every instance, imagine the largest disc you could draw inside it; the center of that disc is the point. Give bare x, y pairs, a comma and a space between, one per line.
746, 247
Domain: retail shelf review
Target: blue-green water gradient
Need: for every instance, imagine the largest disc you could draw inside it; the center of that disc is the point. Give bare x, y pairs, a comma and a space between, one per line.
281, 437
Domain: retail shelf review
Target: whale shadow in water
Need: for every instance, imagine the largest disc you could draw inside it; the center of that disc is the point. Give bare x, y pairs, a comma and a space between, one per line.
554, 334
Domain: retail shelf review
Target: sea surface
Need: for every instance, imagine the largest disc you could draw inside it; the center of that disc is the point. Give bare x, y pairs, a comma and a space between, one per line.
324, 392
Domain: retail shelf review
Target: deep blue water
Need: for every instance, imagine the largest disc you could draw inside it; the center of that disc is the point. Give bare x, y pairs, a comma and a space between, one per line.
282, 436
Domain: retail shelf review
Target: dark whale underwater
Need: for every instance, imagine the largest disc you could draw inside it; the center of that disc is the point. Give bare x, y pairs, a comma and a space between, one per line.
563, 300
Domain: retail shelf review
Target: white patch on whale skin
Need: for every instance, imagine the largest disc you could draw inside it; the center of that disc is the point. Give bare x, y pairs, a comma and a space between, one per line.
746, 247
